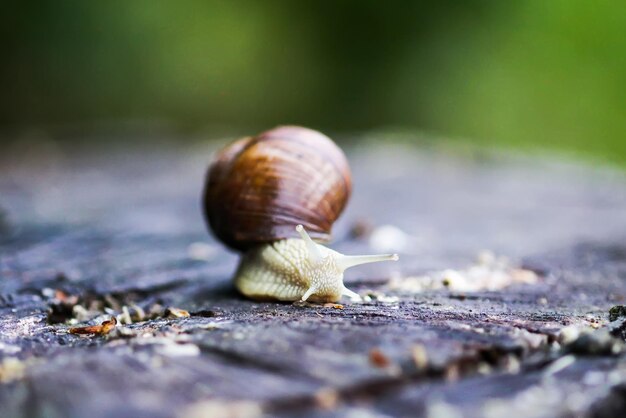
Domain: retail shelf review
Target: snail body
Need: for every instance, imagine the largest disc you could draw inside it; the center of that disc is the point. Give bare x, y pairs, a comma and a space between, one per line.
269, 196
298, 269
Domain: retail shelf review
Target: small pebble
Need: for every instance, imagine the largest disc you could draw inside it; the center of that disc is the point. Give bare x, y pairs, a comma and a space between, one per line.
124, 317
178, 350
598, 342
9, 349
568, 334
11, 369
616, 312
378, 358
388, 238
326, 398
419, 356
201, 251
222, 408
486, 258
137, 314
173, 313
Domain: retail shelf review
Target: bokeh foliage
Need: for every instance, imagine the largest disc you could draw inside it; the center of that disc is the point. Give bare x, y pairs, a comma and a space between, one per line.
527, 73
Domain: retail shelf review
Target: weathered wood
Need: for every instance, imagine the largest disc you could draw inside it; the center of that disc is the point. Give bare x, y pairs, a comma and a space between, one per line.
117, 231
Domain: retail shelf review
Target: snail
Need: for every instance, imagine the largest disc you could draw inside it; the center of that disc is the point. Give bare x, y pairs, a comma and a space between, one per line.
270, 196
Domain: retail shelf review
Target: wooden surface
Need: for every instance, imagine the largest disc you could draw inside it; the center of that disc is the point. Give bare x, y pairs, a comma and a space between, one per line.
114, 229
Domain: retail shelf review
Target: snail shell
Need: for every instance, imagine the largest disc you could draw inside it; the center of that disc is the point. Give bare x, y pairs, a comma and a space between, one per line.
264, 191
259, 188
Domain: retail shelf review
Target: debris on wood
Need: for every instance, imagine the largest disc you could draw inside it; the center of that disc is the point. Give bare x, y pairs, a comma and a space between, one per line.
616, 312
82, 314
124, 317
178, 350
222, 408
326, 398
420, 357
204, 313
11, 369
438, 408
9, 348
595, 343
568, 335
61, 305
489, 273
137, 314
124, 333
372, 296
210, 326
333, 305
174, 313
102, 329
452, 372
378, 358
113, 302
618, 329
155, 311
74, 309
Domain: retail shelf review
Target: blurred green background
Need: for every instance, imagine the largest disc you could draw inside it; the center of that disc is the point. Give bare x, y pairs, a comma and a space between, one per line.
529, 74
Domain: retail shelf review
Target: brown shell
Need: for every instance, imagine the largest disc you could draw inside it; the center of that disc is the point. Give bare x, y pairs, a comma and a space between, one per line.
259, 188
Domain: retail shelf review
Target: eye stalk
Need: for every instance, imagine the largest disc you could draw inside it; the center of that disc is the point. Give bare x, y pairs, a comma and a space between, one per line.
315, 255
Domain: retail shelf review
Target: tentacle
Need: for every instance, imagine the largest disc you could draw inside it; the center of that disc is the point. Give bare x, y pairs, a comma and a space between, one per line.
308, 293
346, 261
315, 255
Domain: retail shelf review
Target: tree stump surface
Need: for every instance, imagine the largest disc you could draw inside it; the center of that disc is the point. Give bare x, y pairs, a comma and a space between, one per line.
522, 332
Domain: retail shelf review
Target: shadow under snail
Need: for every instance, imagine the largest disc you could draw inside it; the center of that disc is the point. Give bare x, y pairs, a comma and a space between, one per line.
270, 196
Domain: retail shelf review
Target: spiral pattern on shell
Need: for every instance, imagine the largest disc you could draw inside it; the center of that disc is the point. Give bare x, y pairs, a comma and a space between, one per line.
258, 188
